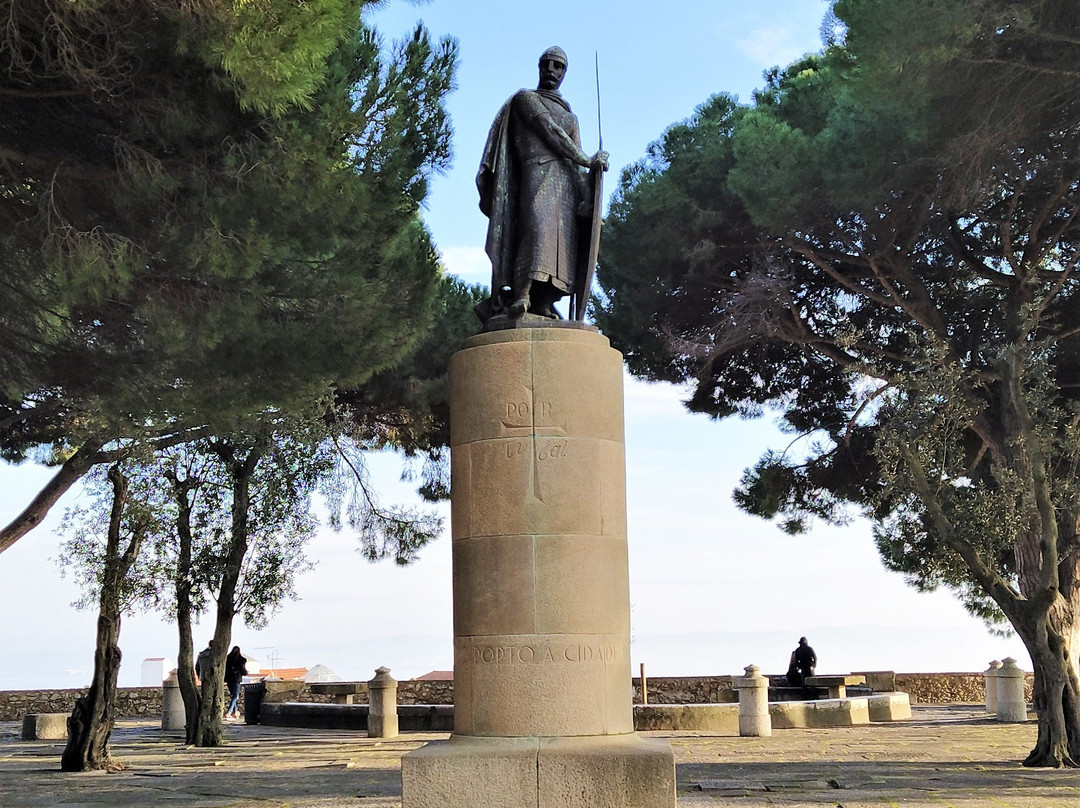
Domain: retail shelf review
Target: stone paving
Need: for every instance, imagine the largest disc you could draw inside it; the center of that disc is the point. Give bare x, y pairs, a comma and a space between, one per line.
946, 757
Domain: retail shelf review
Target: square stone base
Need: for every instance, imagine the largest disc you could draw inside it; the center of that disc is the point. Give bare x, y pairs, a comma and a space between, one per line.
606, 771
889, 707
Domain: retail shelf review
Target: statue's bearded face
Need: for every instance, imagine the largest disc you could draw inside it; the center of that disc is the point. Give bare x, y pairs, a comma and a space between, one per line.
551, 73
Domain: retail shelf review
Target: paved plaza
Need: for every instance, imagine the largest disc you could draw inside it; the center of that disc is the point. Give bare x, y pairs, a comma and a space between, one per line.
946, 757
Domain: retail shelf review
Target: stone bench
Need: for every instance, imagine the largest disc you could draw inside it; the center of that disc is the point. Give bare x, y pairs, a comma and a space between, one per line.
719, 719
837, 685
879, 681
44, 726
889, 707
823, 713
784, 693
723, 719
411, 717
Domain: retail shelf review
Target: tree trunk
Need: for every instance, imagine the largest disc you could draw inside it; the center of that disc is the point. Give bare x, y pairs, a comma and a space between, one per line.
185, 671
1050, 640
185, 655
91, 722
209, 727
211, 731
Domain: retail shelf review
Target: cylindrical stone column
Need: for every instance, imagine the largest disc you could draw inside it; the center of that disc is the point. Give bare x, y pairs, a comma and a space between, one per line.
754, 718
1011, 704
382, 720
990, 677
541, 591
172, 704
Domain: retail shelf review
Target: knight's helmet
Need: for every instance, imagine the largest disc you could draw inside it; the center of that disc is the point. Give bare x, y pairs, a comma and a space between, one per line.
554, 52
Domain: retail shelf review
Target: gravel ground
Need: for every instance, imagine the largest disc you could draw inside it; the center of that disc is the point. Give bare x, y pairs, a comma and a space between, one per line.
945, 757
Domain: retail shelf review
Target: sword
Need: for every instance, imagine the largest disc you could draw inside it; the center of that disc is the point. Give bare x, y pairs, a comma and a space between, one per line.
596, 176
599, 126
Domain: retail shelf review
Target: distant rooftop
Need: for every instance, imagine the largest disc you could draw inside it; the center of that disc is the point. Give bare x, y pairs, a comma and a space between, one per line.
436, 676
321, 673
290, 674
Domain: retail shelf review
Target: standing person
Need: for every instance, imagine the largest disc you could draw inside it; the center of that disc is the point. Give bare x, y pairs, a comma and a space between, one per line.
235, 669
537, 197
202, 663
805, 660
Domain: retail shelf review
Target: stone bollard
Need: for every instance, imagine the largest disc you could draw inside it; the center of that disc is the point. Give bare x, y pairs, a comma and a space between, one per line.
1011, 706
754, 718
382, 719
173, 715
44, 726
990, 677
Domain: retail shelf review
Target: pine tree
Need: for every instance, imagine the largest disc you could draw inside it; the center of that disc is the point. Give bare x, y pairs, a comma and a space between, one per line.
203, 215
866, 252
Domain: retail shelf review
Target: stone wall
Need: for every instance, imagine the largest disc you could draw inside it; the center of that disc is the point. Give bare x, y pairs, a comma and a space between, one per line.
132, 702
687, 689
923, 688
409, 692
426, 692
948, 688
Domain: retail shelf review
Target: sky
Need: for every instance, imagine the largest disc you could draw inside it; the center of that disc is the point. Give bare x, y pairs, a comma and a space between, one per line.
712, 589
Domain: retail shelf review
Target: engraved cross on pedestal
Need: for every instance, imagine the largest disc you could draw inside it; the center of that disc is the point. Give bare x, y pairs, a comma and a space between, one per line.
521, 420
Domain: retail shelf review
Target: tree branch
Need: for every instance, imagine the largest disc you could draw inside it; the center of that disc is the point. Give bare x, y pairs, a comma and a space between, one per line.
86, 457
12, 92
956, 238
988, 578
805, 250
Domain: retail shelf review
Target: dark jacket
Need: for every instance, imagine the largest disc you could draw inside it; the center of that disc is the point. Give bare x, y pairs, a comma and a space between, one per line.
235, 668
805, 660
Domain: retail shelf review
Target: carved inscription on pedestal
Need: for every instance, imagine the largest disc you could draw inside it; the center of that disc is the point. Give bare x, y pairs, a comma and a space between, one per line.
545, 450
525, 417
528, 654
522, 419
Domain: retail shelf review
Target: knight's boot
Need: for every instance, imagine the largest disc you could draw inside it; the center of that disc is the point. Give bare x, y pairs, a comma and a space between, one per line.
521, 304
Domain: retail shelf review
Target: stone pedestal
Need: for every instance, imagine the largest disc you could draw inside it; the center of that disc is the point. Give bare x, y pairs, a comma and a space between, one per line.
173, 715
1011, 704
990, 678
542, 686
382, 720
754, 720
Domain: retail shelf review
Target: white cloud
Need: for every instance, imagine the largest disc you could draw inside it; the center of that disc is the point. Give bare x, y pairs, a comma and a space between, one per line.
647, 399
770, 46
471, 264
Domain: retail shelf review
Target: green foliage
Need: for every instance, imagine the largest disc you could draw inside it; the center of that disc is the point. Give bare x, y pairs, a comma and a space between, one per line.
299, 461
280, 520
197, 232
275, 51
980, 74
85, 528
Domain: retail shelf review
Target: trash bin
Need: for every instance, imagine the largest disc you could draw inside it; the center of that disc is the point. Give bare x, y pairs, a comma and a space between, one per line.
253, 698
